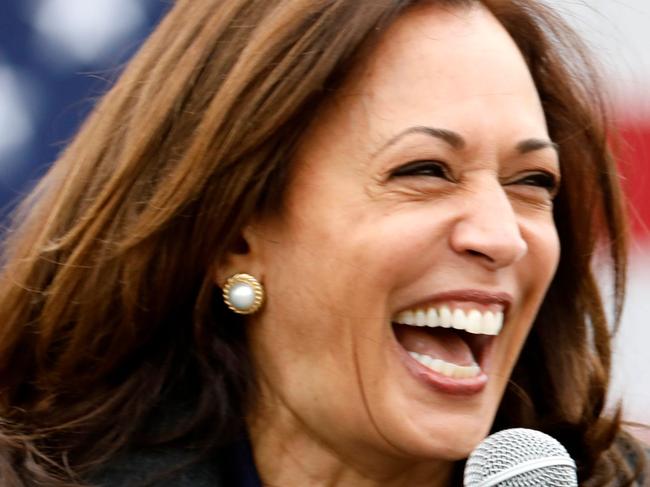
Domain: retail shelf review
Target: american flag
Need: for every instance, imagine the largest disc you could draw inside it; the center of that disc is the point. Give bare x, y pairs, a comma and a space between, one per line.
618, 32
58, 56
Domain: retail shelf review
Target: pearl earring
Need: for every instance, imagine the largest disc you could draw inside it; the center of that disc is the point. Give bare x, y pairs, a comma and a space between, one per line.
243, 294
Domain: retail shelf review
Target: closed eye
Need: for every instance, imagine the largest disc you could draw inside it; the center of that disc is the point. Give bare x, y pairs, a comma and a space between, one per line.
541, 179
435, 169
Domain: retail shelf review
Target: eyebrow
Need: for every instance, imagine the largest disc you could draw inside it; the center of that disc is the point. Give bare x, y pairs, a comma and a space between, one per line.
530, 145
456, 141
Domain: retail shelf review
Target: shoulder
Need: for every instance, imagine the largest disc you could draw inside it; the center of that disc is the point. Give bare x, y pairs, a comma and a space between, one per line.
157, 467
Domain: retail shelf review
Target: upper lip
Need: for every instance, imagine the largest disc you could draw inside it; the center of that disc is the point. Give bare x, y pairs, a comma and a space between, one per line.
468, 295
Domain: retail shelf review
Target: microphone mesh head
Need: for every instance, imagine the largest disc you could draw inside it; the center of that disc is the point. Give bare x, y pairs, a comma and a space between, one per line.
513, 449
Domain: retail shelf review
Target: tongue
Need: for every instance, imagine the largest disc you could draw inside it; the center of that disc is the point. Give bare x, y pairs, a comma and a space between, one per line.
440, 343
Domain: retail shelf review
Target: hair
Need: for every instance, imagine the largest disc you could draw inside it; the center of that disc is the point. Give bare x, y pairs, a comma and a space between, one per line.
108, 307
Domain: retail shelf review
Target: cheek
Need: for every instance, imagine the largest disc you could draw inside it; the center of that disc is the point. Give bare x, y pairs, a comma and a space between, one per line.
327, 287
535, 272
544, 252
397, 249
313, 288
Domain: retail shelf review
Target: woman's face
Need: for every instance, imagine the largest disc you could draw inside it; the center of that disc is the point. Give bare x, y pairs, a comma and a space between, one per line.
422, 195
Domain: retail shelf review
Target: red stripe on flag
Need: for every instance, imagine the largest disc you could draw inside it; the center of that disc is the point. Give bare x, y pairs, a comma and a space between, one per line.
634, 163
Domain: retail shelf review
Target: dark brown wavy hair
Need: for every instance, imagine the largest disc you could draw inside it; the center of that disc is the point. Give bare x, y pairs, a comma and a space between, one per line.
108, 309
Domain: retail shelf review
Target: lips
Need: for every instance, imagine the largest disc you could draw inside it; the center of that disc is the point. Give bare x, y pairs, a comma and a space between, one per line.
446, 340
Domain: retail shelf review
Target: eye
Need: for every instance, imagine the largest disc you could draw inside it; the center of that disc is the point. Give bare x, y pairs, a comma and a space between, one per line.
434, 169
540, 179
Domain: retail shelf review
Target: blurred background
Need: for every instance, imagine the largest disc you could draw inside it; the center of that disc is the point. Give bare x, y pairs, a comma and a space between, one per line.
58, 56
618, 32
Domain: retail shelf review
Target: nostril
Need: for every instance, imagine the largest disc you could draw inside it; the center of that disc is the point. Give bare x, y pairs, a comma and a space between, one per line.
476, 253
495, 251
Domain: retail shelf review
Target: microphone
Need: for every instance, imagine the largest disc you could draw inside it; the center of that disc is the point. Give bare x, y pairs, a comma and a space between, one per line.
520, 457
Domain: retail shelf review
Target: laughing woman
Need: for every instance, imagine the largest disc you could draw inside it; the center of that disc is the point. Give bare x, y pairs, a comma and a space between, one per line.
319, 242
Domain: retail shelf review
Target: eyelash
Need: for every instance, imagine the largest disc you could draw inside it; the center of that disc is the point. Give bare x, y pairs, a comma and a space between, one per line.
423, 168
542, 179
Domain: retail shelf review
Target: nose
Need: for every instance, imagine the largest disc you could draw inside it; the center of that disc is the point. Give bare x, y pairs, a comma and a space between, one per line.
488, 229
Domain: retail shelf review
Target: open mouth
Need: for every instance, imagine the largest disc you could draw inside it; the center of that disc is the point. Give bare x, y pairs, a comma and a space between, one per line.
450, 342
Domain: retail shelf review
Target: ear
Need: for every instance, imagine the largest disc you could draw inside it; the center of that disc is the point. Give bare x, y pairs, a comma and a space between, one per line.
245, 256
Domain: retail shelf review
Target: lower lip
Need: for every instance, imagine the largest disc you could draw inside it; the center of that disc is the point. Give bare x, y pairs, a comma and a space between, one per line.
441, 383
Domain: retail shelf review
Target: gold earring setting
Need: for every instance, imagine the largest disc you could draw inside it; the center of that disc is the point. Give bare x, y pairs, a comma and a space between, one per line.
243, 294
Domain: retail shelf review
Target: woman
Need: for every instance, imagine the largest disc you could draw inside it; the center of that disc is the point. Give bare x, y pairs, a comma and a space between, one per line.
374, 189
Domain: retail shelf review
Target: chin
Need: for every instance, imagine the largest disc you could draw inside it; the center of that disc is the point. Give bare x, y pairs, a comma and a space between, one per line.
437, 433
456, 441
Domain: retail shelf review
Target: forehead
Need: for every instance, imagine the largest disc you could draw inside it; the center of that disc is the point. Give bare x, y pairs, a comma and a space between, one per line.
456, 69
454, 50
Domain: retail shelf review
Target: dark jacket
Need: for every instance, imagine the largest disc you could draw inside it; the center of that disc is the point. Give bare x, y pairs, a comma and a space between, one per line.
229, 467
234, 467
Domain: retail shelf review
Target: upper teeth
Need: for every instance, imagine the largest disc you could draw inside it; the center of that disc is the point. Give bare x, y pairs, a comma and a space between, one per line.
472, 321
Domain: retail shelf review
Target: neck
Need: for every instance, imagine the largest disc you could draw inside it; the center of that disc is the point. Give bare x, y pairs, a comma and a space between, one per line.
289, 453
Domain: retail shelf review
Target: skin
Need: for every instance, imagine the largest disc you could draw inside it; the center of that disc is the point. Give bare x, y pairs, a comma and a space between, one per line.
359, 241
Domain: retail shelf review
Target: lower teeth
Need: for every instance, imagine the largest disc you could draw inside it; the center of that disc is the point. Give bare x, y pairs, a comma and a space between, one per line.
445, 368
